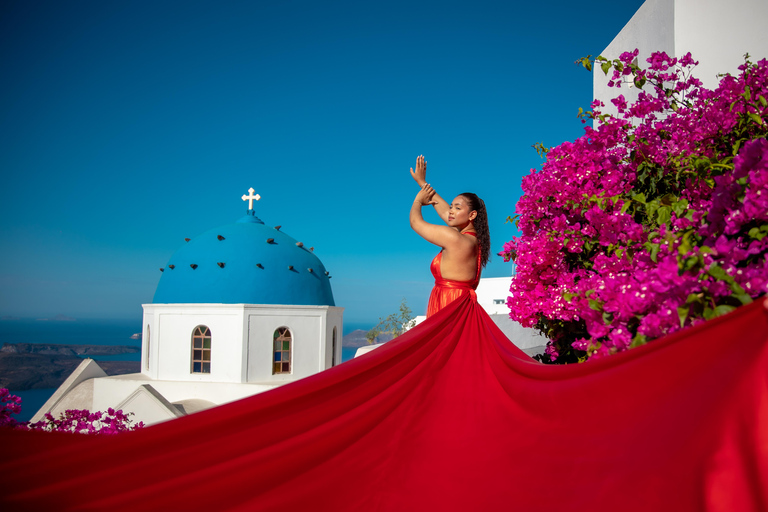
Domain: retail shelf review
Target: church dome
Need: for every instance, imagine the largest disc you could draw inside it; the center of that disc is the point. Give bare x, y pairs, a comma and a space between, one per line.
244, 263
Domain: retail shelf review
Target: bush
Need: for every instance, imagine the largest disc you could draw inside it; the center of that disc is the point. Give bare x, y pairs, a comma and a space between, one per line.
73, 420
653, 221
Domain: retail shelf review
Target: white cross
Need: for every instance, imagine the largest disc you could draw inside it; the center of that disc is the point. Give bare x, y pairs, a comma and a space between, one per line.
250, 197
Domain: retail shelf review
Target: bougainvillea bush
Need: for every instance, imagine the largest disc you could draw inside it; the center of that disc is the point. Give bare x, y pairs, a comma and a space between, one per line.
79, 421
655, 220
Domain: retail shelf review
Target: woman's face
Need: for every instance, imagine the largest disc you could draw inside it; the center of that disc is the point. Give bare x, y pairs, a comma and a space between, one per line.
459, 214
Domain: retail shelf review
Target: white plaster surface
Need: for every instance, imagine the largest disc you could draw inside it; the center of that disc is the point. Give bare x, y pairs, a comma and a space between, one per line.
717, 33
491, 290
149, 406
86, 370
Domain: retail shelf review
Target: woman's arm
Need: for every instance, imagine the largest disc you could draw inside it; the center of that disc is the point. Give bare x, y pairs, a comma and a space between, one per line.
420, 175
442, 236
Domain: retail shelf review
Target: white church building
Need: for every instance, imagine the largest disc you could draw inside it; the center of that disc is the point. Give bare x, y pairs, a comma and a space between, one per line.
240, 309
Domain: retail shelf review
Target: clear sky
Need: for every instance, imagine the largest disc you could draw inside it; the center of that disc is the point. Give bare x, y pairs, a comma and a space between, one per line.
127, 126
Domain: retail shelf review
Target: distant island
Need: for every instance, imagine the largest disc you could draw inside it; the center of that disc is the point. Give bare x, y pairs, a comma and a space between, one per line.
37, 365
58, 318
357, 339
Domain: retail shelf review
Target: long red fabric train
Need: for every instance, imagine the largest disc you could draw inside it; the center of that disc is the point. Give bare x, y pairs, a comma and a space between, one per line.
450, 416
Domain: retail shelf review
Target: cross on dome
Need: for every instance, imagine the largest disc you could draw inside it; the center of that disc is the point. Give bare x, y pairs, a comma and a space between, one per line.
250, 198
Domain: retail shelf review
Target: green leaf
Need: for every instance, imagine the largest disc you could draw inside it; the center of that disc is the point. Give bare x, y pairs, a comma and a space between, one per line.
640, 198
595, 304
680, 207
664, 214
685, 244
719, 273
756, 234
743, 298
638, 340
639, 82
682, 314
756, 118
655, 253
567, 296
607, 318
605, 66
762, 101
723, 309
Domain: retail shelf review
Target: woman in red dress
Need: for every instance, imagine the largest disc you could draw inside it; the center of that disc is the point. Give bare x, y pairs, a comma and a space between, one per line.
465, 241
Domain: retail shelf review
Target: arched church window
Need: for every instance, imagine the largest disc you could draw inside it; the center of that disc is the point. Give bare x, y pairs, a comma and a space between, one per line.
282, 350
333, 347
201, 349
148, 347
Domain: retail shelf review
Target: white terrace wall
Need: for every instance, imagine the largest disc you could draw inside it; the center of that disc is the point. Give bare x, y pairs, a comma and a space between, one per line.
717, 33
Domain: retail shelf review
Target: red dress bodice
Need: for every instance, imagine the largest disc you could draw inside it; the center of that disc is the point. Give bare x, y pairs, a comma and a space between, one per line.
447, 290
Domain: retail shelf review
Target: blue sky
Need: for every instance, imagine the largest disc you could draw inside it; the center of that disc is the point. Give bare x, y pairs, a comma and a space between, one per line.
127, 126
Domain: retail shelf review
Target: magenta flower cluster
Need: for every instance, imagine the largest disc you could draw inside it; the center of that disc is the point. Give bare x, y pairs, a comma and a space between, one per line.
9, 405
82, 421
72, 420
655, 220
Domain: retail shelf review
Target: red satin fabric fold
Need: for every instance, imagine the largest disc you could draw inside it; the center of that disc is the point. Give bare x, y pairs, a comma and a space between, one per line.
449, 416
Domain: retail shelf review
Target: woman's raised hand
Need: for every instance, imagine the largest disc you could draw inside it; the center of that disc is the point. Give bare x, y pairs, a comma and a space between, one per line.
425, 195
420, 174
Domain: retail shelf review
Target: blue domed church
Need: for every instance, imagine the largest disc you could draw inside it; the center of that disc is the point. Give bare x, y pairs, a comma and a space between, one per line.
239, 309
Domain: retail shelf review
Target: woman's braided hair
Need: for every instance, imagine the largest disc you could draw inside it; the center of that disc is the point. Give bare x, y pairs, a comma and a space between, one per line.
481, 225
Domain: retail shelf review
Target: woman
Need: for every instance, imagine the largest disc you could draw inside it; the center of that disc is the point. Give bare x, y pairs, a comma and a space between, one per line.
465, 241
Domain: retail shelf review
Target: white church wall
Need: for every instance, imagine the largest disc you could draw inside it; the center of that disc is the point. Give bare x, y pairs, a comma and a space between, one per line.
110, 391
175, 326
334, 320
148, 348
716, 32
308, 326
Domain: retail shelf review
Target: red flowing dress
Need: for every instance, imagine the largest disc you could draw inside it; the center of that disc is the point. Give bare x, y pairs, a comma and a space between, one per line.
447, 290
448, 416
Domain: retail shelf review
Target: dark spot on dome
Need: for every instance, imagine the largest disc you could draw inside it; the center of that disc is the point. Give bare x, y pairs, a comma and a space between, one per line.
290, 267
278, 227
162, 270
171, 267
220, 237
326, 272
193, 265
221, 264
187, 239
270, 240
299, 244
312, 249
260, 265
310, 269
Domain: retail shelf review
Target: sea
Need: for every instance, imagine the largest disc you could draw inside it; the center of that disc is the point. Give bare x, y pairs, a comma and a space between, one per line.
90, 332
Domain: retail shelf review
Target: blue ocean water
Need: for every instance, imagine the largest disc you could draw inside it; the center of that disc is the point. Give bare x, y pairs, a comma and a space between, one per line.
90, 332
77, 332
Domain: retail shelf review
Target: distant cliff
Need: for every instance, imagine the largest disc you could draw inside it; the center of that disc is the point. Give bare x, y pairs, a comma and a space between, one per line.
37, 366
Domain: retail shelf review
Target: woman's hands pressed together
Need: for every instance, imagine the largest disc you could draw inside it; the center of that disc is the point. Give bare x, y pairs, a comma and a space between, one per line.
425, 195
